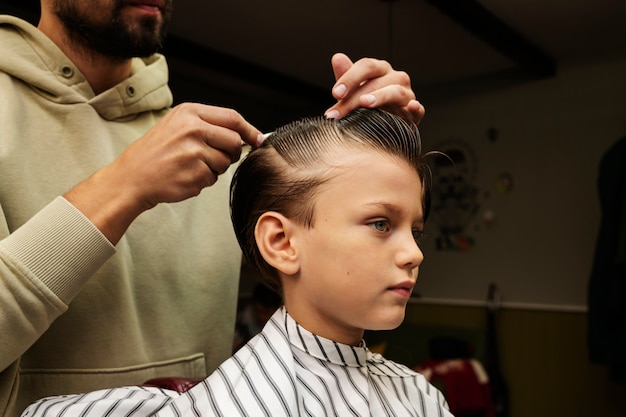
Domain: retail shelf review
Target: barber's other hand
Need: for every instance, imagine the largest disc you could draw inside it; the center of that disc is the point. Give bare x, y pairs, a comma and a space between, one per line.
182, 154
370, 83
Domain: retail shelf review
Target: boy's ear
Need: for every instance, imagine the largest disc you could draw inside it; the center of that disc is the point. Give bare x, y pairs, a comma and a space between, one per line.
274, 236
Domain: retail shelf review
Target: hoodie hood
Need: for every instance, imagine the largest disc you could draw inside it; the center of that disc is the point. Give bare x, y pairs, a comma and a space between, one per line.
30, 56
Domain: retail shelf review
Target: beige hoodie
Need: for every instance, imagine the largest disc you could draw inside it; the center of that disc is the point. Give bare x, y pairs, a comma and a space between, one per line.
77, 314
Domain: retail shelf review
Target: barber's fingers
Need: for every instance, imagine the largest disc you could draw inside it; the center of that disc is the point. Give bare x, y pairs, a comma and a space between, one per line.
394, 99
370, 83
214, 135
232, 121
351, 77
340, 64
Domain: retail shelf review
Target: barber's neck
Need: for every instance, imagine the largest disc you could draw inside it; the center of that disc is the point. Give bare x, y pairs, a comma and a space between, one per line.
102, 72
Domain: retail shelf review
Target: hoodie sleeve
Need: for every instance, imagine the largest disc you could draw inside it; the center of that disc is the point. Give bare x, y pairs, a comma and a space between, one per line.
43, 265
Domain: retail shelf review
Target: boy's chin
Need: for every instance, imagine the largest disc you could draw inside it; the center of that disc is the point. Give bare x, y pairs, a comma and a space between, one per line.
390, 324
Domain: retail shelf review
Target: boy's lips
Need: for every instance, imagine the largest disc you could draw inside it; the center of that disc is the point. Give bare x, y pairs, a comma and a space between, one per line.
404, 288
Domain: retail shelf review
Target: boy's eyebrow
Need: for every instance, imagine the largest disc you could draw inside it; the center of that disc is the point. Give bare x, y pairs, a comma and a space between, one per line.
394, 208
389, 206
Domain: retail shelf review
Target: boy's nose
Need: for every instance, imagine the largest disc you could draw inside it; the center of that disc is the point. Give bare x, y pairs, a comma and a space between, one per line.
411, 254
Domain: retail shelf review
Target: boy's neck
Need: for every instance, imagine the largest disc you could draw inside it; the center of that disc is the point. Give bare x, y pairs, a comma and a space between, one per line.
323, 326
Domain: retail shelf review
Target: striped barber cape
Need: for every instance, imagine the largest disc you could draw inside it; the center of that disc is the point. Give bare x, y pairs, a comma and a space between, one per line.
283, 371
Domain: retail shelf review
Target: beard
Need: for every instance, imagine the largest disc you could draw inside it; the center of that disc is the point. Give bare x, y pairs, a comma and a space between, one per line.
112, 36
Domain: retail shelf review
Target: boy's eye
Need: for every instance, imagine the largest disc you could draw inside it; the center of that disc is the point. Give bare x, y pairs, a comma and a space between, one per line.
380, 225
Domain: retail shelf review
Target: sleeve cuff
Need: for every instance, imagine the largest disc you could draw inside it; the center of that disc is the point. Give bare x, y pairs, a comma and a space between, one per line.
60, 247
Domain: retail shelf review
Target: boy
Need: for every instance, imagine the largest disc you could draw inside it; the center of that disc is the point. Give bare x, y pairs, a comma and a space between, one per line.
329, 211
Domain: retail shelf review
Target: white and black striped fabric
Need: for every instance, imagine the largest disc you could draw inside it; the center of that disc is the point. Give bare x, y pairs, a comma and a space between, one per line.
283, 371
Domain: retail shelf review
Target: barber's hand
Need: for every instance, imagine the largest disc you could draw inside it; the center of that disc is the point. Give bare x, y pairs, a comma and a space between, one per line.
372, 83
182, 154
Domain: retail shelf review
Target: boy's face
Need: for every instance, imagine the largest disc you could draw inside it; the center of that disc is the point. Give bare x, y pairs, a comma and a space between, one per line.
360, 259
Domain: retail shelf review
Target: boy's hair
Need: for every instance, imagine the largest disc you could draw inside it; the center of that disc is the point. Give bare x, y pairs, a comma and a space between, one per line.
284, 173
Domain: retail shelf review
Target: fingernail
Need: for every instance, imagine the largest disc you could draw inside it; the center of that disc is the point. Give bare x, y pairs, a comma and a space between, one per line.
340, 90
369, 99
333, 114
261, 138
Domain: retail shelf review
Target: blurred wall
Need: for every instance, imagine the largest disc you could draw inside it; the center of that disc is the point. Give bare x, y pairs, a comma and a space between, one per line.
536, 240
